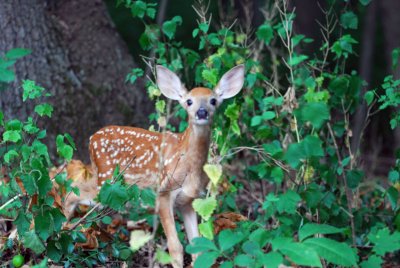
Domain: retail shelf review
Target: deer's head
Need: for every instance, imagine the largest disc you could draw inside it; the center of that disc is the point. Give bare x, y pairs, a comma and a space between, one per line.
200, 103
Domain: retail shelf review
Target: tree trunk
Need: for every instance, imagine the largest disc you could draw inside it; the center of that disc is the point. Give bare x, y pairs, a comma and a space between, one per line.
79, 57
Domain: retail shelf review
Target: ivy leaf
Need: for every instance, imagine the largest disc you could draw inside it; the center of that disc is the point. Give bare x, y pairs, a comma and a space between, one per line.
385, 241
288, 202
163, 257
205, 207
349, 20
297, 59
169, 27
31, 240
301, 254
315, 112
6, 75
12, 136
265, 33
10, 155
17, 53
206, 259
113, 195
44, 109
214, 172
228, 239
333, 251
310, 229
372, 262
200, 244
138, 239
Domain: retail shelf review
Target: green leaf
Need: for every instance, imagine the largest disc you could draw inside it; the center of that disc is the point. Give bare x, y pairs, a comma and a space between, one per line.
333, 251
32, 241
206, 229
349, 20
369, 97
354, 178
315, 112
12, 136
138, 9
301, 254
17, 53
394, 176
268, 115
243, 260
372, 262
260, 236
210, 76
384, 241
163, 257
200, 244
310, 229
10, 155
169, 27
256, 120
204, 27
206, 259
29, 184
205, 207
393, 196
265, 33
228, 239
31, 90
214, 172
195, 32
138, 239
113, 195
311, 146
288, 202
272, 259
44, 109
365, 2
6, 75
297, 59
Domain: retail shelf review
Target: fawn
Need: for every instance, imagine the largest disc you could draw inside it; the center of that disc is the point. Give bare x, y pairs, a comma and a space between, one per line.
171, 161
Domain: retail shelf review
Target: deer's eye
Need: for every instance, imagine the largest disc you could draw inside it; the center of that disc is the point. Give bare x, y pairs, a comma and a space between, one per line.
189, 102
213, 101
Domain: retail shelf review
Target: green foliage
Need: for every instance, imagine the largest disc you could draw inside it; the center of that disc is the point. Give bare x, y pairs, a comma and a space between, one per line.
7, 75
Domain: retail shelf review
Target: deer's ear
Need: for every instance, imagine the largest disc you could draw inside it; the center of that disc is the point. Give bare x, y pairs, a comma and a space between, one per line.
169, 83
231, 83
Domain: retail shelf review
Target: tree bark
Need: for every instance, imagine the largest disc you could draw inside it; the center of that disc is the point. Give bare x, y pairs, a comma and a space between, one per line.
78, 56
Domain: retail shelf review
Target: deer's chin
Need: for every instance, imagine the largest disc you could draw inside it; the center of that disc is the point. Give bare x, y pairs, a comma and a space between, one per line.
202, 122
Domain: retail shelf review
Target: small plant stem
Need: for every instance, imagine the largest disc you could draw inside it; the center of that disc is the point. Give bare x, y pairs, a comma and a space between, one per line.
10, 201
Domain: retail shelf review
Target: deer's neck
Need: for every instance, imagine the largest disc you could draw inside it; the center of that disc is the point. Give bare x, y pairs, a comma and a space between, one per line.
196, 142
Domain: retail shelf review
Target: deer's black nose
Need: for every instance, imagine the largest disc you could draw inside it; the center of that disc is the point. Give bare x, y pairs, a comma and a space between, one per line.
202, 113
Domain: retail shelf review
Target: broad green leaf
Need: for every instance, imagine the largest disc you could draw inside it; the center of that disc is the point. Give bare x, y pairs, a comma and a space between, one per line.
138, 239
10, 155
200, 244
394, 176
210, 76
261, 236
6, 75
332, 251
369, 97
243, 260
265, 33
301, 254
365, 2
214, 172
393, 196
44, 225
228, 239
206, 229
205, 207
163, 257
32, 241
349, 20
310, 229
31, 90
17, 53
288, 202
113, 195
384, 241
169, 27
297, 59
29, 184
12, 136
206, 259
268, 115
354, 178
372, 262
272, 259
256, 120
309, 147
44, 109
315, 112
138, 9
